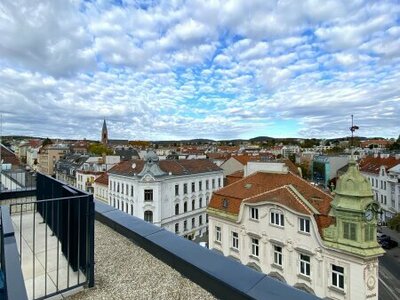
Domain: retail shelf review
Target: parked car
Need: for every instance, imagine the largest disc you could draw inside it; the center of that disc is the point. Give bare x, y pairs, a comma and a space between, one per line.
389, 244
380, 237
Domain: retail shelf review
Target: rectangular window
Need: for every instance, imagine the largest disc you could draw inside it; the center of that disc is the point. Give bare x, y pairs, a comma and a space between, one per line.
176, 189
219, 182
193, 187
176, 227
200, 220
369, 232
253, 213
193, 222
277, 218
200, 185
305, 267
218, 233
338, 276
148, 195
278, 255
185, 188
349, 231
207, 184
184, 225
304, 225
213, 183
131, 190
235, 240
254, 247
127, 190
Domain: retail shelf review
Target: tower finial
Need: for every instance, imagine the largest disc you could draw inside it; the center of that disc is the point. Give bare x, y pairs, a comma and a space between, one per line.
353, 128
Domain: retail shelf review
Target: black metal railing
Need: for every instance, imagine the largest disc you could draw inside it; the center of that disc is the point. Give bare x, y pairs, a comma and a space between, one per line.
55, 235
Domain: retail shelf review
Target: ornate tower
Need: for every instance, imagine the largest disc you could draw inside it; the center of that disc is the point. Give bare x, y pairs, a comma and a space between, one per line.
356, 215
353, 232
104, 134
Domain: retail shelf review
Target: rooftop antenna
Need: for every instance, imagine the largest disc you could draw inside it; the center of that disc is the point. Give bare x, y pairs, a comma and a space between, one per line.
353, 128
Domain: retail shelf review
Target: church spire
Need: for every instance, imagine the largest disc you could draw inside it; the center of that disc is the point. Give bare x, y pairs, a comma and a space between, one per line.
104, 134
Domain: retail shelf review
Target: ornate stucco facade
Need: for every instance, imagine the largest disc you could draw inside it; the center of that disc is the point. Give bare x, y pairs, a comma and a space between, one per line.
281, 225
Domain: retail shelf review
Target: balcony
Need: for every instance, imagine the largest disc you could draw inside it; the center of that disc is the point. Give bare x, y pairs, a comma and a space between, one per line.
133, 259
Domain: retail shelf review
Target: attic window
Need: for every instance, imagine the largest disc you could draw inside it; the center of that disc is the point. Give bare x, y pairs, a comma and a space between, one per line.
247, 186
225, 203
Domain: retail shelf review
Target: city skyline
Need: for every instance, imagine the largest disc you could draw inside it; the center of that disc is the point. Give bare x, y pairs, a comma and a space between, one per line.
182, 70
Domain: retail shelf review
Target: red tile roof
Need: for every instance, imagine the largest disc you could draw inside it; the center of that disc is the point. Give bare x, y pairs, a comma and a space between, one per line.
260, 183
176, 167
372, 164
8, 156
234, 177
282, 195
103, 179
244, 159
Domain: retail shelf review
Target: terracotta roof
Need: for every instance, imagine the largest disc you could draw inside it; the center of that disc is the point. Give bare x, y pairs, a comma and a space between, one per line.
375, 142
260, 183
8, 156
176, 167
103, 179
292, 167
372, 164
234, 177
218, 155
244, 159
283, 195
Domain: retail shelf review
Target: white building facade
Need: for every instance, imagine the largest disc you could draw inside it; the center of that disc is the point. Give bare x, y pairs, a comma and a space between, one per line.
170, 193
284, 228
383, 172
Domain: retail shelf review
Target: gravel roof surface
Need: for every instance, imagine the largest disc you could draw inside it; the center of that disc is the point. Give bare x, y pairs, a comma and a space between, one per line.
125, 271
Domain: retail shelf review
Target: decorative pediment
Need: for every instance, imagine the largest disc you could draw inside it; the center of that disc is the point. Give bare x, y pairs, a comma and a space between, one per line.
148, 178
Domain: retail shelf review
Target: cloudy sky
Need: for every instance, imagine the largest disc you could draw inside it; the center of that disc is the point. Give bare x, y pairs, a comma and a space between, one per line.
199, 69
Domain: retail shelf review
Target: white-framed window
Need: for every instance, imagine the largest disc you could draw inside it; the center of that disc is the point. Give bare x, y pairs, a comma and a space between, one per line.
255, 247
176, 227
218, 235
338, 276
304, 225
176, 189
235, 240
305, 266
254, 213
277, 218
278, 255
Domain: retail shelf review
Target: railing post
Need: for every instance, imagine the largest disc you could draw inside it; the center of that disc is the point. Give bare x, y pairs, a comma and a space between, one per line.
90, 240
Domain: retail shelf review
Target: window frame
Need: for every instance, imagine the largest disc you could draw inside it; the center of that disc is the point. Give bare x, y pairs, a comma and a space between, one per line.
277, 218
278, 255
304, 265
255, 247
235, 240
337, 277
254, 215
306, 224
218, 234
146, 193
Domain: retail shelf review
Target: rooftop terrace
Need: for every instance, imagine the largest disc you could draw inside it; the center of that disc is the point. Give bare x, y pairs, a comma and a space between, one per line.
133, 259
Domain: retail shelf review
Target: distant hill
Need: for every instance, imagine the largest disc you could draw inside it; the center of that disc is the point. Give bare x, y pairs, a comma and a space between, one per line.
261, 139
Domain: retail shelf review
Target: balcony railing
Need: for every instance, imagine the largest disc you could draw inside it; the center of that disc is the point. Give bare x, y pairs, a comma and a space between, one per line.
53, 239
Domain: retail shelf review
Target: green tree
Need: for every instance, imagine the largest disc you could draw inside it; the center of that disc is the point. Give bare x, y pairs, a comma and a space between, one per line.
99, 149
394, 223
396, 144
46, 142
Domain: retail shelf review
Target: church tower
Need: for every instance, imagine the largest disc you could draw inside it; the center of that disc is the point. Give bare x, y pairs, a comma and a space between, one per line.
104, 134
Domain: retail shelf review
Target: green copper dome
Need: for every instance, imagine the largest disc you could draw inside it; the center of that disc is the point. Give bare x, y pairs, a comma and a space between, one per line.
352, 183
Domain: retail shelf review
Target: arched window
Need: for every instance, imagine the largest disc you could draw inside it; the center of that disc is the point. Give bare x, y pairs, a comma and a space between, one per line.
193, 204
148, 216
185, 207
177, 209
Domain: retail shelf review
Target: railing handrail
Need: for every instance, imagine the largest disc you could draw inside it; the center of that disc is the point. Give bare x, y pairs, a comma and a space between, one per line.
14, 280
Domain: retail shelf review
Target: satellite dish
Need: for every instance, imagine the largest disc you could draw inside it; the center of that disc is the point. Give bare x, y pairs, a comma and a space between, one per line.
133, 165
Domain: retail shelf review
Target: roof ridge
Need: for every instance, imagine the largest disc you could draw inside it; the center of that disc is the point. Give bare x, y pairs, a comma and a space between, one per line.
265, 192
314, 187
289, 188
237, 181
